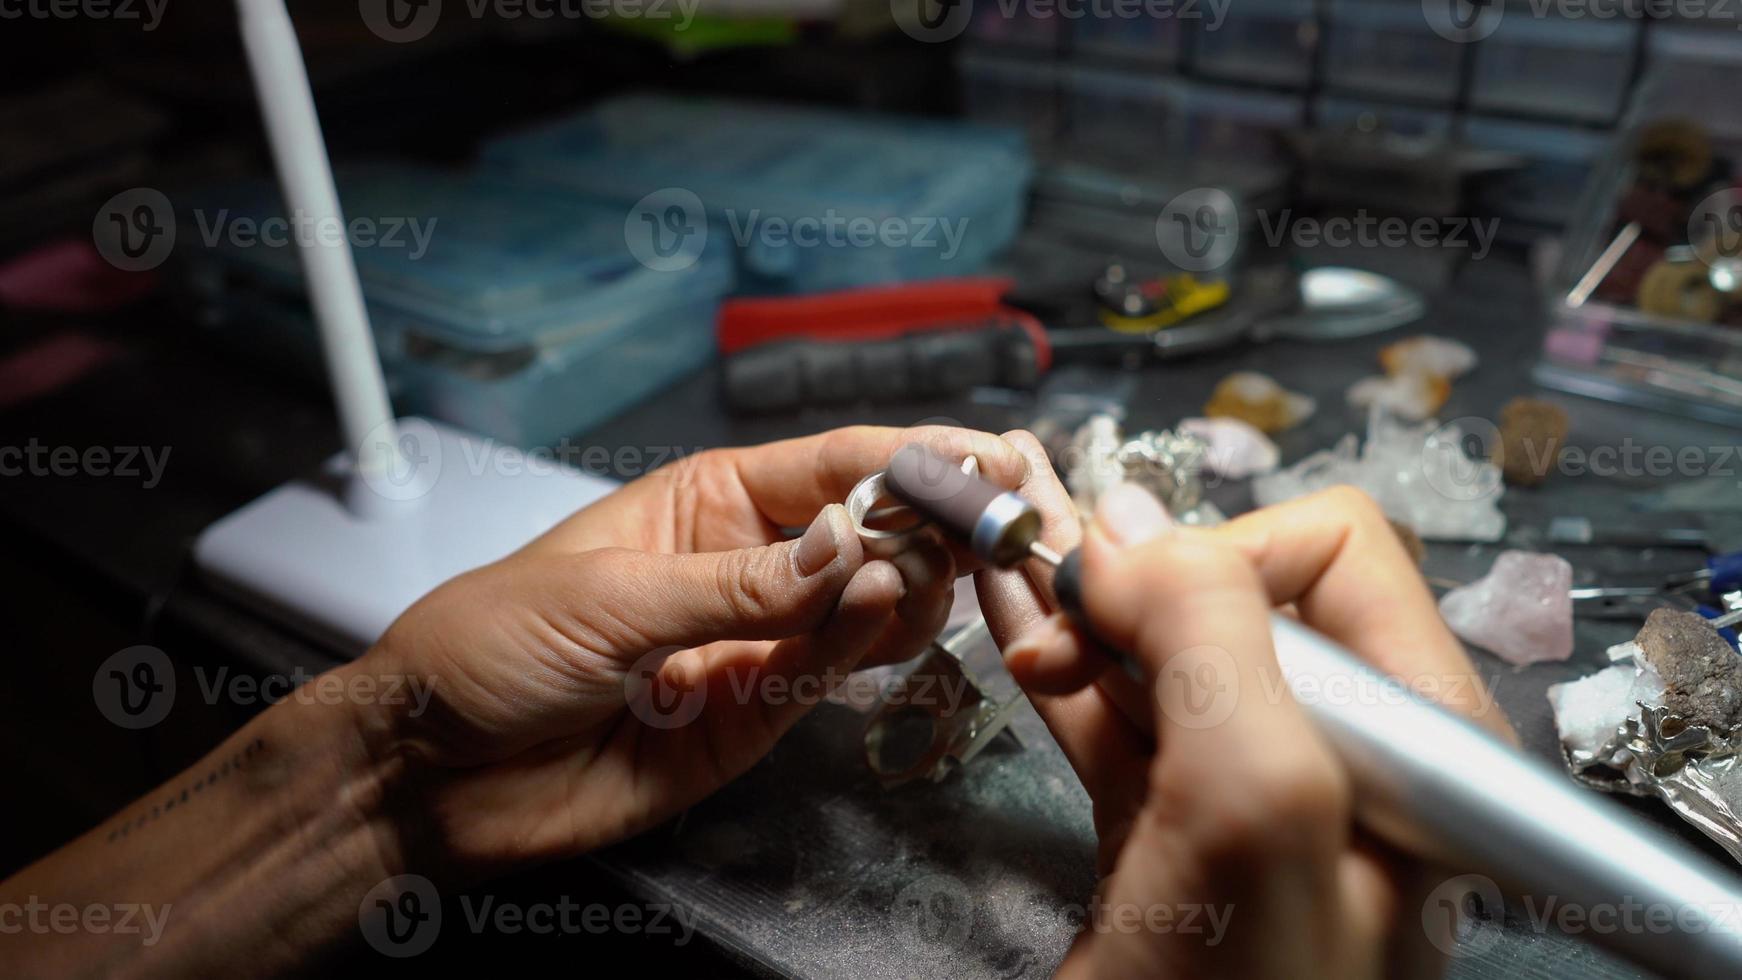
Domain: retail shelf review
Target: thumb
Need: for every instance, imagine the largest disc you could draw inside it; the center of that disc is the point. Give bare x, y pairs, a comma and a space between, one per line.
763, 593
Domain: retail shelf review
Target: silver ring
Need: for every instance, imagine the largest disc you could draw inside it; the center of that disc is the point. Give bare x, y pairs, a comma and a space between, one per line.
887, 543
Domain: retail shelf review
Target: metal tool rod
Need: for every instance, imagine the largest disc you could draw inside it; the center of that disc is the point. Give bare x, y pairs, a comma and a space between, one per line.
299, 154
1434, 783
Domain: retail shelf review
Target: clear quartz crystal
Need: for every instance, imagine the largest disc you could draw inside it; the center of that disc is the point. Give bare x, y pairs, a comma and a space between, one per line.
1419, 474
1522, 609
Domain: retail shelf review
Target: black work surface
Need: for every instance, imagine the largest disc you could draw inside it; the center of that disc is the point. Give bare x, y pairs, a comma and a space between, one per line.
805, 866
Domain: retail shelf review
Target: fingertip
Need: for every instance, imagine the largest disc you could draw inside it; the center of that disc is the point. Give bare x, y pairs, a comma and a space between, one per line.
925, 568
873, 590
1129, 515
1028, 446
1053, 658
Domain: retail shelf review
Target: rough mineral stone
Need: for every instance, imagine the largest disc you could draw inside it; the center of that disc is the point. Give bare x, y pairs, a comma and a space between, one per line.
1237, 449
1532, 433
1700, 669
1522, 609
1427, 354
1419, 475
1409, 396
1258, 400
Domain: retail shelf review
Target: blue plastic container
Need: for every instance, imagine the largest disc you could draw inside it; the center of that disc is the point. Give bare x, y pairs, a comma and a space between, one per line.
1574, 68
812, 200
1545, 193
1264, 41
1386, 49
513, 312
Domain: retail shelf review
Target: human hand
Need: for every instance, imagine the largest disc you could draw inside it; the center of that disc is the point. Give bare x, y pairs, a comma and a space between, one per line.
653, 646
1214, 794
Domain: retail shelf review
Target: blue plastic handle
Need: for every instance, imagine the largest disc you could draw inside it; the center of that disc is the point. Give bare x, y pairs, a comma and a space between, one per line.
1726, 572
1727, 632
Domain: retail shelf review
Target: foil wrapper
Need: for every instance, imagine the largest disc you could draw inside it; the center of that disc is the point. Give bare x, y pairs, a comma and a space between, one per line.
1695, 771
1168, 464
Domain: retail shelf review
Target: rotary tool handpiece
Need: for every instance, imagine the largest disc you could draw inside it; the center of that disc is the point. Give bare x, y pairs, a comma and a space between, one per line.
1426, 780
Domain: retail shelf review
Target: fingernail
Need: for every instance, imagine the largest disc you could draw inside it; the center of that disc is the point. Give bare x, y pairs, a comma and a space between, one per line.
819, 546
1041, 636
1131, 515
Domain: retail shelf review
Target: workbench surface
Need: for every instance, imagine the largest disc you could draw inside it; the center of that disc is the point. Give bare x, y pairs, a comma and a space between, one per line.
805, 865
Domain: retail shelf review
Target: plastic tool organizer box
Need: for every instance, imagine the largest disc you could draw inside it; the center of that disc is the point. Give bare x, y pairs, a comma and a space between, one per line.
760, 170
524, 317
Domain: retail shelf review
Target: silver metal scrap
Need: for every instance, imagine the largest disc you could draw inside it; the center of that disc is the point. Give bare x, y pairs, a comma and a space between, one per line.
1694, 770
1168, 464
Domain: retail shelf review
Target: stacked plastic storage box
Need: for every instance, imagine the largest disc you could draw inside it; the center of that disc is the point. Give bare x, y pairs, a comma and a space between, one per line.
810, 199
513, 312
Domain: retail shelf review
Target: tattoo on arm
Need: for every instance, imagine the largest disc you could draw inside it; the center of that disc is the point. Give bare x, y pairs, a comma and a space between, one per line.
189, 793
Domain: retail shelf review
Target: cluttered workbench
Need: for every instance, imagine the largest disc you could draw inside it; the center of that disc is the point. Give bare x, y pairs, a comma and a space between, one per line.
807, 866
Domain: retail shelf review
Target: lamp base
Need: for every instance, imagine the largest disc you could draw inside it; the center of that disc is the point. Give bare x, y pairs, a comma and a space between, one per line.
302, 556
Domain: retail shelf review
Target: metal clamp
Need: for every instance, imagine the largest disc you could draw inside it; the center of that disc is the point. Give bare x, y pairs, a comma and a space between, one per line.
963, 710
